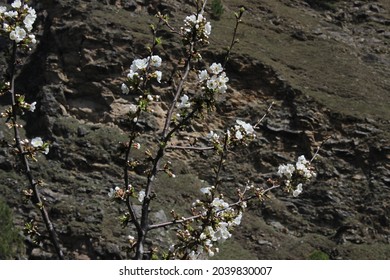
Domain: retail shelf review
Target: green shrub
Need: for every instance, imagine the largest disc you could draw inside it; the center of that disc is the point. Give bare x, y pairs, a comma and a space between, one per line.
216, 9
10, 241
318, 255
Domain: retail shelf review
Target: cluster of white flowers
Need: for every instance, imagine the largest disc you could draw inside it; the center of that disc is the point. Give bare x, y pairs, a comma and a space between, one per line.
211, 235
286, 170
184, 102
225, 218
298, 190
18, 23
215, 79
302, 168
219, 204
202, 241
197, 28
138, 68
213, 137
294, 174
243, 130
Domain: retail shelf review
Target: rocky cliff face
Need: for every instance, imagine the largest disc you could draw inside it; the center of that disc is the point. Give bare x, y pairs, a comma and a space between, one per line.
325, 66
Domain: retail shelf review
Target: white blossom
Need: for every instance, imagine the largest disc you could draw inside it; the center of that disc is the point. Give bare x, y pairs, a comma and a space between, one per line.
141, 196
212, 83
207, 28
298, 190
37, 142
16, 4
132, 74
302, 160
11, 14
222, 231
222, 80
190, 19
125, 89
286, 170
30, 19
130, 238
209, 231
139, 64
192, 255
216, 68
197, 22
137, 146
211, 253
184, 102
213, 136
32, 38
237, 220
158, 75
18, 34
203, 75
112, 192
6, 27
133, 109
206, 190
219, 204
32, 106
247, 127
302, 167
155, 61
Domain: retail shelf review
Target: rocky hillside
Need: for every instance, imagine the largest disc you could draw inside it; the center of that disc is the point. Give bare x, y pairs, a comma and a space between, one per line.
324, 64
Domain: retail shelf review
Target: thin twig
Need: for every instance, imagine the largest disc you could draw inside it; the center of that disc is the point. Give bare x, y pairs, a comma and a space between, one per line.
318, 148
234, 40
189, 148
264, 116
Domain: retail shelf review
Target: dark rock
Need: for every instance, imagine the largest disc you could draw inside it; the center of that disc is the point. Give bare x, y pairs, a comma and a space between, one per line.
130, 5
299, 35
81, 131
5, 164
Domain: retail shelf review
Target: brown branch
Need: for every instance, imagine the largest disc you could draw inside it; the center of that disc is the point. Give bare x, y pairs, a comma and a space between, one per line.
34, 185
189, 148
187, 68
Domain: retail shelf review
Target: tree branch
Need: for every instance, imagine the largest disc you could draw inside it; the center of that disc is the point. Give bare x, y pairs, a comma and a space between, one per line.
194, 217
33, 184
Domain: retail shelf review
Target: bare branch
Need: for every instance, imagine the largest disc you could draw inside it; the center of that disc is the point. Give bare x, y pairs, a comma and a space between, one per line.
264, 116
189, 148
